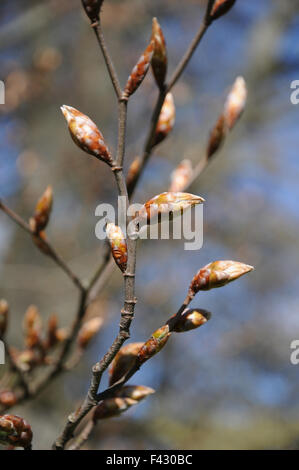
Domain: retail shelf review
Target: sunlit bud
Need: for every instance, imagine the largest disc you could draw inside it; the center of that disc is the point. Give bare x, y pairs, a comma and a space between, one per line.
135, 392
159, 60
220, 8
235, 102
88, 330
139, 71
191, 319
8, 398
41, 216
118, 245
166, 119
15, 431
218, 274
85, 134
92, 8
123, 361
133, 171
4, 309
168, 202
217, 136
32, 327
112, 407
181, 176
52, 332
153, 345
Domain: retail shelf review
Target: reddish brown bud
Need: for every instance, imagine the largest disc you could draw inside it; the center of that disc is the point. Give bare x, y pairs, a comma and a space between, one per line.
4, 309
8, 398
154, 344
15, 431
52, 332
41, 216
123, 361
32, 327
112, 407
92, 8
235, 102
181, 176
159, 59
133, 171
166, 119
191, 319
88, 330
217, 136
85, 134
217, 274
61, 334
118, 245
139, 71
220, 8
135, 392
168, 202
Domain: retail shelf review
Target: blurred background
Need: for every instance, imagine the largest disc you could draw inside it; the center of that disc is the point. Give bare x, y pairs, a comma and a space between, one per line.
230, 384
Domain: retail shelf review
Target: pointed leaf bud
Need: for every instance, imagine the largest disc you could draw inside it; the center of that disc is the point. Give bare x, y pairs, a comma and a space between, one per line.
123, 361
235, 102
154, 344
15, 431
168, 202
92, 9
218, 274
41, 216
52, 332
86, 135
166, 119
139, 71
191, 319
88, 330
220, 8
32, 327
135, 392
4, 309
133, 171
181, 176
118, 245
159, 60
217, 136
8, 398
112, 407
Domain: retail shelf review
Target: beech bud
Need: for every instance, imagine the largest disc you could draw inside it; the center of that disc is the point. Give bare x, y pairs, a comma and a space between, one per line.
168, 202
41, 216
88, 330
220, 8
166, 119
123, 361
159, 59
118, 245
191, 319
85, 134
15, 431
217, 274
4, 309
154, 344
181, 176
112, 407
139, 71
135, 392
32, 327
235, 102
92, 8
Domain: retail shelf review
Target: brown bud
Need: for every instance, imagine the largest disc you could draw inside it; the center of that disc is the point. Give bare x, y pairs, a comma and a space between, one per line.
123, 361
159, 59
112, 407
15, 431
217, 136
25, 360
139, 71
8, 398
118, 245
92, 9
41, 216
191, 319
181, 176
61, 334
166, 119
220, 8
52, 332
133, 171
135, 392
235, 102
217, 274
88, 330
85, 134
168, 202
32, 327
154, 344
4, 309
